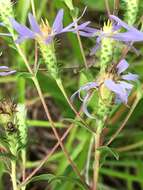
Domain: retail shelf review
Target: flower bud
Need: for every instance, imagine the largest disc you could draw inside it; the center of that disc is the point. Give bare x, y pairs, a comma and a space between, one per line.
106, 48
6, 12
132, 11
48, 54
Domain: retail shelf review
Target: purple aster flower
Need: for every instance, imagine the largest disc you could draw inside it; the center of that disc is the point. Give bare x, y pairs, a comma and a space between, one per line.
46, 33
119, 85
130, 35
5, 71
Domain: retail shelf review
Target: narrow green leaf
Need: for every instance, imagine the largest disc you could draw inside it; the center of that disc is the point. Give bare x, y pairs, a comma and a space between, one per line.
109, 150
50, 178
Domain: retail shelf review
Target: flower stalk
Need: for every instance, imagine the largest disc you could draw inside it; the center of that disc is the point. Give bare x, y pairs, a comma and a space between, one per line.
97, 156
13, 175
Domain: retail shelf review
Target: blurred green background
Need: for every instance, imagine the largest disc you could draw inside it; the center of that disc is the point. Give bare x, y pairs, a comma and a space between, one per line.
126, 173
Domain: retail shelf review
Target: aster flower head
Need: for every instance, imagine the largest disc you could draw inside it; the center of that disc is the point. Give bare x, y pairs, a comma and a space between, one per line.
44, 31
131, 34
118, 83
5, 71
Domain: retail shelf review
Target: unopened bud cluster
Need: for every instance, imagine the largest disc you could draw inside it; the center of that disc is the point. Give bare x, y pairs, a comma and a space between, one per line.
6, 12
132, 11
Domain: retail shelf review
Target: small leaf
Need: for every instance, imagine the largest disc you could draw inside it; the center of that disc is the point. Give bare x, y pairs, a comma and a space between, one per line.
50, 178
69, 4
75, 12
78, 123
24, 75
109, 150
7, 155
43, 177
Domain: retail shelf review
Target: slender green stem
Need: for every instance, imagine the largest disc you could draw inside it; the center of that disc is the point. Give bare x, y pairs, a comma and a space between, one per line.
130, 147
24, 59
33, 8
13, 175
88, 161
107, 7
124, 122
41, 123
97, 158
80, 45
21, 89
23, 155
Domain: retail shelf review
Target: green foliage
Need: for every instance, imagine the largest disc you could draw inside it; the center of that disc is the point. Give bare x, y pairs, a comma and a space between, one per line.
128, 169
50, 178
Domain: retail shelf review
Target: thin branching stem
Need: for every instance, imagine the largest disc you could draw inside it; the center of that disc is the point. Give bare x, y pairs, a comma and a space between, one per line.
33, 8
124, 122
47, 111
87, 169
96, 159
107, 7
81, 46
45, 159
49, 154
53, 127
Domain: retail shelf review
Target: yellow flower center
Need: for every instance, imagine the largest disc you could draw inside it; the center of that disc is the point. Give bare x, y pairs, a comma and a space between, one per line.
45, 28
107, 27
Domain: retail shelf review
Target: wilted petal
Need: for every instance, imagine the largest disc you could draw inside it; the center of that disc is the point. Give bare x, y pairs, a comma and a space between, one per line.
21, 29
3, 67
85, 34
96, 47
122, 66
122, 23
85, 88
7, 73
71, 27
74, 95
87, 31
91, 30
83, 25
130, 76
84, 106
34, 25
58, 23
4, 71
